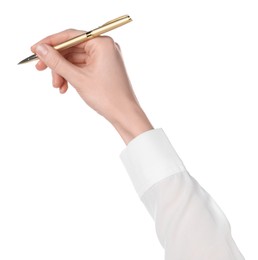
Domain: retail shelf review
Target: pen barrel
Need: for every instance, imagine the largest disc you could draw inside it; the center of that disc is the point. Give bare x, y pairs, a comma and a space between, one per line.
87, 35
94, 33
110, 26
72, 42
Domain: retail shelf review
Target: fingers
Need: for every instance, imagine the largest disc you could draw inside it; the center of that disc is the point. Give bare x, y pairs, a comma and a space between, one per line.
59, 82
76, 55
54, 40
56, 62
57, 38
63, 88
40, 65
76, 58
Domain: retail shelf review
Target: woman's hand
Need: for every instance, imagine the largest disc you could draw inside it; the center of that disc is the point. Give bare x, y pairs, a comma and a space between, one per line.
96, 70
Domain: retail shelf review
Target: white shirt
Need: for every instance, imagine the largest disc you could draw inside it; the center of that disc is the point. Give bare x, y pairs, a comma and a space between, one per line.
189, 224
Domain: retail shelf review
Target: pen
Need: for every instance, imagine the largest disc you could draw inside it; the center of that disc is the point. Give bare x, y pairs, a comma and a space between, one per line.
86, 36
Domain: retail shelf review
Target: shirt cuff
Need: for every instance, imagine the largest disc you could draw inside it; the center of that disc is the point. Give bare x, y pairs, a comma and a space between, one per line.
149, 158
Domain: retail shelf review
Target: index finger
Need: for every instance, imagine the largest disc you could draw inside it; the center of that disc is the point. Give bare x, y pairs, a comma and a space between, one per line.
53, 40
57, 38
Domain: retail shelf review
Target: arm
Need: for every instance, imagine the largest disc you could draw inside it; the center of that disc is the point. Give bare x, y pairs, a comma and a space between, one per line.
189, 224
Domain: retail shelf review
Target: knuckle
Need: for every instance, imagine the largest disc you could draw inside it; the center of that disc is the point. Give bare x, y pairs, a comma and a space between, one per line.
70, 30
107, 44
104, 41
108, 40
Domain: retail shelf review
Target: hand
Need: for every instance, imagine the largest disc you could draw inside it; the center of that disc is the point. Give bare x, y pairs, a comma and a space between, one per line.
96, 70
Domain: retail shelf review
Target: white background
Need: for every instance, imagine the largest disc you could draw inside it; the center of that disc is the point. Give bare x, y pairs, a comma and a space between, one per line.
64, 193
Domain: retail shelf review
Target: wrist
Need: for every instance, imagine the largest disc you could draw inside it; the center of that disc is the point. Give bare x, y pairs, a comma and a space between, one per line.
132, 123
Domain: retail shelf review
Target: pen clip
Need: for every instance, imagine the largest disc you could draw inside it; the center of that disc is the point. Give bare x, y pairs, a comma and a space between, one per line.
116, 20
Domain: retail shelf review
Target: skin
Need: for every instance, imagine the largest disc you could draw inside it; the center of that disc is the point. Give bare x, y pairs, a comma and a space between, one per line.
96, 70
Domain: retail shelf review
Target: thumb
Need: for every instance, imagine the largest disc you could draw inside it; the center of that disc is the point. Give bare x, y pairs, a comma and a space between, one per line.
55, 61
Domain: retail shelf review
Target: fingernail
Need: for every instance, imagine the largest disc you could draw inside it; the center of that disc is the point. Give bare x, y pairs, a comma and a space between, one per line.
42, 50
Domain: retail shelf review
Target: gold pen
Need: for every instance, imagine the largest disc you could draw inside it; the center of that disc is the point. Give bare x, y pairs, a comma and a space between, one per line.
86, 36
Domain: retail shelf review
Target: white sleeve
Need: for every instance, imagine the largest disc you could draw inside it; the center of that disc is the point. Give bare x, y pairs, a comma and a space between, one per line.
189, 224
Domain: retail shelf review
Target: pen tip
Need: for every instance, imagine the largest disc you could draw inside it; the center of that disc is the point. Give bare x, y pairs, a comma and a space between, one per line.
28, 59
